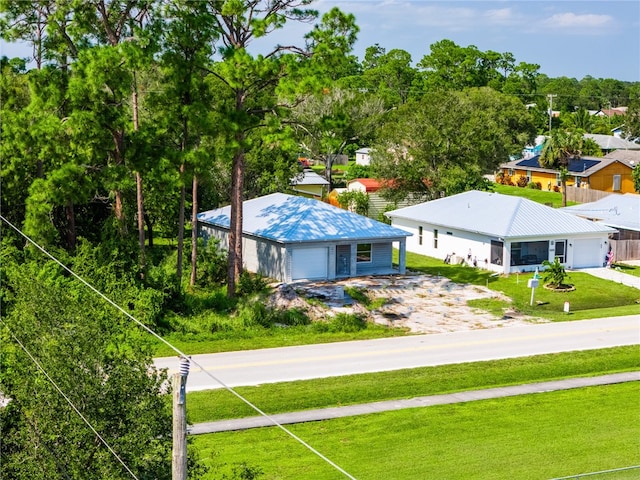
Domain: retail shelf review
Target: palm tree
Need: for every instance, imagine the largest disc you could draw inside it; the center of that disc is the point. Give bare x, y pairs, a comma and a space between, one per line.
558, 150
555, 274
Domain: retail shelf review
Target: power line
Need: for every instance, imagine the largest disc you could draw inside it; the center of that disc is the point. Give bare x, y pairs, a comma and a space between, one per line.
55, 385
181, 354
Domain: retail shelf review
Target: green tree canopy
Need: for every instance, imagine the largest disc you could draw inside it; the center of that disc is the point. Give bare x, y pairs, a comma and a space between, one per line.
101, 362
448, 140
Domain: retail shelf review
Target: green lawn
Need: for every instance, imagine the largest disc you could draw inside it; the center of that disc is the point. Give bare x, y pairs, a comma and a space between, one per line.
554, 199
592, 298
626, 268
538, 436
256, 338
371, 387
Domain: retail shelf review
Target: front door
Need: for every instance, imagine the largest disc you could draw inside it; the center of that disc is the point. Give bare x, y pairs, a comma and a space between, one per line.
343, 260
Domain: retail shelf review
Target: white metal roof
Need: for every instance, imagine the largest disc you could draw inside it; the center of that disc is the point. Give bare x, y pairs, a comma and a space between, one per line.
287, 219
309, 177
498, 215
609, 142
615, 210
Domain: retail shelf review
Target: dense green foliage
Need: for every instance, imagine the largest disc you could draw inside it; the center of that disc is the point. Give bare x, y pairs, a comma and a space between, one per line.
100, 362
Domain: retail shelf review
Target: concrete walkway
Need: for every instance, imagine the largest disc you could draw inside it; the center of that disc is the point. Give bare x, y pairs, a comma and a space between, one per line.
613, 275
377, 407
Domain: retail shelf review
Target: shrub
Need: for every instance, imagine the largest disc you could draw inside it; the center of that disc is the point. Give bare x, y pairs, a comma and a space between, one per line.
211, 263
251, 283
348, 323
523, 181
254, 312
555, 274
535, 185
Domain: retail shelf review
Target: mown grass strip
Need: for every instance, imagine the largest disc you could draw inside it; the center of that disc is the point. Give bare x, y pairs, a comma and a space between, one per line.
537, 436
213, 405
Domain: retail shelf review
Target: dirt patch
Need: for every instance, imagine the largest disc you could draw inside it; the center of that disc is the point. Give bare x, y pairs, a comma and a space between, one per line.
420, 303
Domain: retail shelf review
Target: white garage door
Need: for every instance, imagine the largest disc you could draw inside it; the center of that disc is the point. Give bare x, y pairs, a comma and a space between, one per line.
586, 253
309, 263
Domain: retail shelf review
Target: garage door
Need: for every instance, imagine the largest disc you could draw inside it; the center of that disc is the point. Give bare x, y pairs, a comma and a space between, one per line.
586, 253
309, 263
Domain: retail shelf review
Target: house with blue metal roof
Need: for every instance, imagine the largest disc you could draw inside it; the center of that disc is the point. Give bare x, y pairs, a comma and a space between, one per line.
502, 233
291, 238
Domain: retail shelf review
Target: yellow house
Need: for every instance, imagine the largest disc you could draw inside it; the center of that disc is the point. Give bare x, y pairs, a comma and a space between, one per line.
309, 184
608, 174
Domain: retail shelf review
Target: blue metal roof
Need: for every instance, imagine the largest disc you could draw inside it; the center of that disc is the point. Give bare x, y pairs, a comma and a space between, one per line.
287, 219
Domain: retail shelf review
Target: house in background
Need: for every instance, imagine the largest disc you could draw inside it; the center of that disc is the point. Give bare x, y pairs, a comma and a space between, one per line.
309, 184
291, 238
608, 143
501, 233
363, 157
607, 174
621, 212
377, 204
629, 157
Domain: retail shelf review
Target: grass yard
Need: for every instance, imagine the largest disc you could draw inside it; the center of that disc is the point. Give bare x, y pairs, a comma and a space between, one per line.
539, 196
371, 387
592, 298
626, 268
539, 436
261, 337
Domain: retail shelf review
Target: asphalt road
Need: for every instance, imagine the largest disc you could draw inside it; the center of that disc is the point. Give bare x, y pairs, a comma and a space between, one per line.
254, 367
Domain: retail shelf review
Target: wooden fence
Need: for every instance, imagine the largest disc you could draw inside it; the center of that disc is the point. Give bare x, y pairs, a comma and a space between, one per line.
585, 195
625, 250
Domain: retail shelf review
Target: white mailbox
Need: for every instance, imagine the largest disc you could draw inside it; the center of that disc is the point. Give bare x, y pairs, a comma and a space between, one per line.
533, 283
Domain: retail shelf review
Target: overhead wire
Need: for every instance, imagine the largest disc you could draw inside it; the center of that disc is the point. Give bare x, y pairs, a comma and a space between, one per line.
71, 404
181, 354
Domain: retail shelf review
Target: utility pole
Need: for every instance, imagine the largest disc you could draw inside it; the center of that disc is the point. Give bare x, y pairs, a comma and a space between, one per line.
550, 96
179, 456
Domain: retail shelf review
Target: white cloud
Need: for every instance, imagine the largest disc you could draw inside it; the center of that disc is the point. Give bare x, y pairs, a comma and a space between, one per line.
501, 16
572, 20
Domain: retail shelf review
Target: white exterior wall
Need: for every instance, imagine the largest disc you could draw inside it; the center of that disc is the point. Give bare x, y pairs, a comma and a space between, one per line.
264, 257
274, 260
460, 242
355, 186
363, 158
450, 241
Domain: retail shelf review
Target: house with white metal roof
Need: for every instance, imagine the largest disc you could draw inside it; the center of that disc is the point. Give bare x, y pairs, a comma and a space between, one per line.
363, 156
310, 184
502, 233
291, 238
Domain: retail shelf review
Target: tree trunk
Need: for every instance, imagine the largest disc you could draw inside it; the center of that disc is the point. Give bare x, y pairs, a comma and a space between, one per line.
71, 226
118, 159
139, 197
181, 226
140, 202
564, 192
235, 227
194, 231
147, 220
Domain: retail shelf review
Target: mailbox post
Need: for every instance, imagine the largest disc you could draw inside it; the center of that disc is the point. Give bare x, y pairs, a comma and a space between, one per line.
533, 284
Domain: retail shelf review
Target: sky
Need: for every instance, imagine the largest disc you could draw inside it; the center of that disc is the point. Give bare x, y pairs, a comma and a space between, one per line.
567, 38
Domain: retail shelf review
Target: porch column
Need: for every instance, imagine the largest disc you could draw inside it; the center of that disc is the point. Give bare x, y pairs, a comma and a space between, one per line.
402, 257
